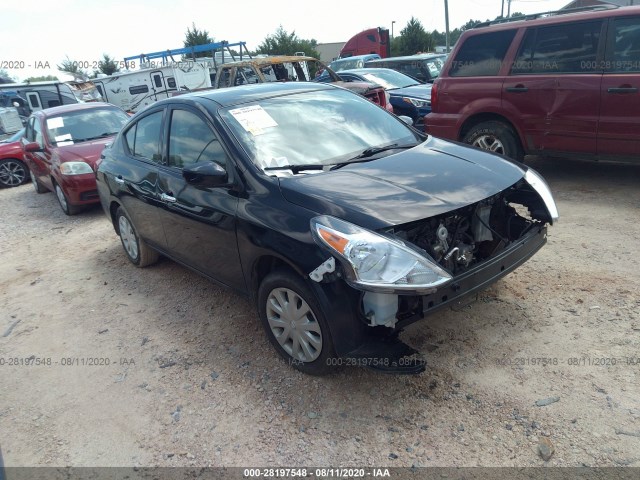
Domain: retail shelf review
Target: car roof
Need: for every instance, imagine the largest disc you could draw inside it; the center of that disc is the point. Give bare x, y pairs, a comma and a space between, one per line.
373, 56
531, 21
246, 93
73, 107
419, 56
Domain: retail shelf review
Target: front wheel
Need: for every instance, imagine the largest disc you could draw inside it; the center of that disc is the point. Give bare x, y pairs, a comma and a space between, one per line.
295, 323
37, 186
138, 252
67, 207
495, 137
12, 173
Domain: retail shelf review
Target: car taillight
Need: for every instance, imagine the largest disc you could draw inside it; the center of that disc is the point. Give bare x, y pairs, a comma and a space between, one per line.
434, 97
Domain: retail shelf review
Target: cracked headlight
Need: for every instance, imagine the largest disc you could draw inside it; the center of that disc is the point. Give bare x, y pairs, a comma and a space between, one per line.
538, 183
75, 168
375, 262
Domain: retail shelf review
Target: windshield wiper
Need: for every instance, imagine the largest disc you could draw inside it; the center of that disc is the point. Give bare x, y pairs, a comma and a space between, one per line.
102, 135
297, 168
366, 155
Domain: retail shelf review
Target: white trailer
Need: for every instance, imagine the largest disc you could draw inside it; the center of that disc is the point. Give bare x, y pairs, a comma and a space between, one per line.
132, 91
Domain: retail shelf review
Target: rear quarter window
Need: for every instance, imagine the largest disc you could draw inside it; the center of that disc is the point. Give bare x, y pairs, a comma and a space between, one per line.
482, 55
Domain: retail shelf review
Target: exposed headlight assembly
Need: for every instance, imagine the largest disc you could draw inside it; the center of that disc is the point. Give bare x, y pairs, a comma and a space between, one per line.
75, 168
538, 183
377, 263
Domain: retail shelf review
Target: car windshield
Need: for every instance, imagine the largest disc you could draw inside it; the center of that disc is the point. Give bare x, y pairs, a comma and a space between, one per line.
319, 128
346, 64
84, 125
389, 79
435, 66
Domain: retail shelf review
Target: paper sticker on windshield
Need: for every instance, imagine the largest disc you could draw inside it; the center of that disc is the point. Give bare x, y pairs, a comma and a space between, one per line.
253, 119
62, 140
56, 122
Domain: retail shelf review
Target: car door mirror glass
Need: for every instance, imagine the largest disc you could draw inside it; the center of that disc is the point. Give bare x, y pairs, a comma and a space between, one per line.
205, 174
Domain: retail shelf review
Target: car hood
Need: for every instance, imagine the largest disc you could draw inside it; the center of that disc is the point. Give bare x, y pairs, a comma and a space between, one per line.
430, 179
416, 91
88, 152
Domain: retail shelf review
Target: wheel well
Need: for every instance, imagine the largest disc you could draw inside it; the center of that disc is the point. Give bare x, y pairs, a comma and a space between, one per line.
486, 117
265, 265
113, 208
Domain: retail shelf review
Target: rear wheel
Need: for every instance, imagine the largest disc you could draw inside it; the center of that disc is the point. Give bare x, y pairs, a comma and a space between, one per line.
138, 252
295, 323
67, 208
496, 137
12, 173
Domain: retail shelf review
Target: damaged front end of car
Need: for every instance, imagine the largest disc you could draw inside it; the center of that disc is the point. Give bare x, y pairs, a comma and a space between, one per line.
409, 270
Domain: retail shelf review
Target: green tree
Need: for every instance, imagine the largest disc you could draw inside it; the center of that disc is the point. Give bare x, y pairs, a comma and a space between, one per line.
195, 37
470, 24
517, 14
413, 39
43, 78
72, 68
6, 77
285, 43
108, 65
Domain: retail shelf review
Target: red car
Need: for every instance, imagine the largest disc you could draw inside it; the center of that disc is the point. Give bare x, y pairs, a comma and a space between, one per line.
563, 83
13, 170
61, 147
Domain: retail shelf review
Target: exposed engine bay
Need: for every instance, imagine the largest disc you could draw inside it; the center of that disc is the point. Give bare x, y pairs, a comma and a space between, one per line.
459, 241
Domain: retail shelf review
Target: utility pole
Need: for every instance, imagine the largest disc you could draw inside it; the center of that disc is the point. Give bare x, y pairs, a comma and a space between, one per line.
446, 22
508, 8
502, 10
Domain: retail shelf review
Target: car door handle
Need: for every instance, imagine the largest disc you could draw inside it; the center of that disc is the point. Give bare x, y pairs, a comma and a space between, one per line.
517, 89
622, 90
119, 180
167, 198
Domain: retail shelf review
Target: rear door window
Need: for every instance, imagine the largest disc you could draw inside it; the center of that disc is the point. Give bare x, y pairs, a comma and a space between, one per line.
482, 55
566, 48
143, 138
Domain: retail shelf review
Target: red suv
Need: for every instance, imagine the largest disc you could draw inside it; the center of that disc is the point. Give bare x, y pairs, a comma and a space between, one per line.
562, 82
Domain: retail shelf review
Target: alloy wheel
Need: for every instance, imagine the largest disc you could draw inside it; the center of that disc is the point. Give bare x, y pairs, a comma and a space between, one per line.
12, 173
489, 142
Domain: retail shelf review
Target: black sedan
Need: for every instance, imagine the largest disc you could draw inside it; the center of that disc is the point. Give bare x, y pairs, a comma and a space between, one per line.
341, 222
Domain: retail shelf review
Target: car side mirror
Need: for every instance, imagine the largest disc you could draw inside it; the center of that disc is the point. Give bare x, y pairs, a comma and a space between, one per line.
405, 119
206, 174
32, 147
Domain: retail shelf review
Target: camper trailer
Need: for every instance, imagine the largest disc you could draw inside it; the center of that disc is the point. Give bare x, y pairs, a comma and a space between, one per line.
38, 95
132, 91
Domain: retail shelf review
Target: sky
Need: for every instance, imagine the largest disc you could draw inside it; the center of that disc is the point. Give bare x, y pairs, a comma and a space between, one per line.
35, 36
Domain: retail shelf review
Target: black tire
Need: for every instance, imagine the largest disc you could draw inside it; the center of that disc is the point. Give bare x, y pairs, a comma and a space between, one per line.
37, 186
63, 200
496, 137
13, 172
138, 252
309, 327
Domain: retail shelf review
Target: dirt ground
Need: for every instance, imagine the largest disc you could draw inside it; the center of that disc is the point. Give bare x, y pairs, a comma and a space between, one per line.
185, 375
